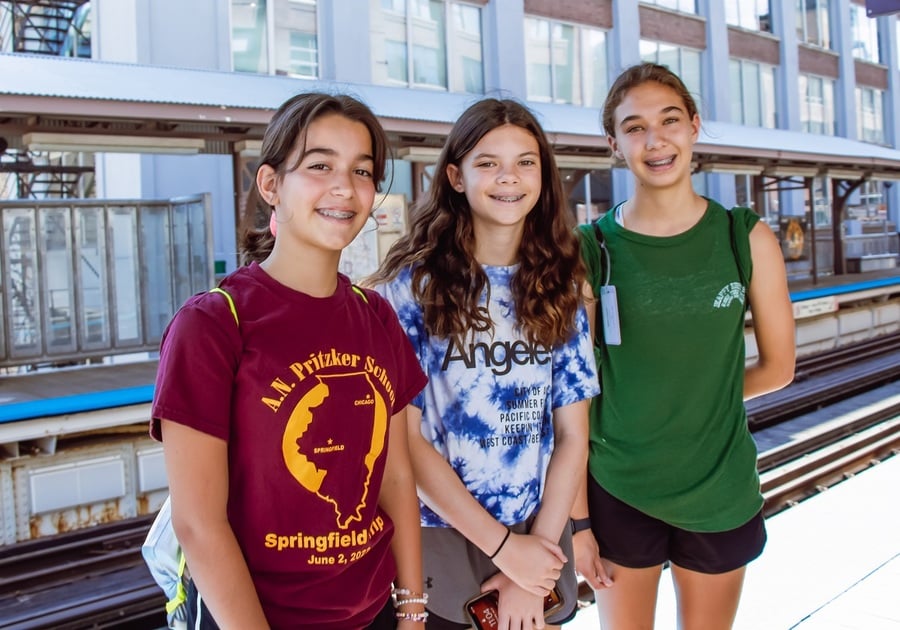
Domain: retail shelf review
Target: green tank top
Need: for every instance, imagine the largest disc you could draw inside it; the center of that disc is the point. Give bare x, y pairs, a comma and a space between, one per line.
669, 433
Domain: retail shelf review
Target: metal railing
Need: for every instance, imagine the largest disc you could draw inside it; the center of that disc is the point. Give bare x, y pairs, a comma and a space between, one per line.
863, 245
90, 278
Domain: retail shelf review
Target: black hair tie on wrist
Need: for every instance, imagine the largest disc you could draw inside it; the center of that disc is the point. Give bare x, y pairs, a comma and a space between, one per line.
502, 542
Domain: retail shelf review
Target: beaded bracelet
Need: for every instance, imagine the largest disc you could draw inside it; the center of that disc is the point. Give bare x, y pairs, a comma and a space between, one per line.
403, 596
409, 616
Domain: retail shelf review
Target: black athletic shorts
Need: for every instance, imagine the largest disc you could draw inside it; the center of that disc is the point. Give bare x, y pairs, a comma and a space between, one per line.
630, 538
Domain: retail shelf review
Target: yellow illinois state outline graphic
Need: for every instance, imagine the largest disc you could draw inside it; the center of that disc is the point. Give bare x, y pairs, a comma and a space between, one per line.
351, 418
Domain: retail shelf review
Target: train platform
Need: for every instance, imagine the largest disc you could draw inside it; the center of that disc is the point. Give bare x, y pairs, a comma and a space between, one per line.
832, 563
807, 288
49, 403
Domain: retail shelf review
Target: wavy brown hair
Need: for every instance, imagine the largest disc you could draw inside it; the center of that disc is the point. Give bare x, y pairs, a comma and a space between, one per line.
448, 281
285, 132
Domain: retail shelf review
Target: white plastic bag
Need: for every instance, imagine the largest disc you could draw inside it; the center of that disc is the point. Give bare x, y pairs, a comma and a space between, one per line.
163, 556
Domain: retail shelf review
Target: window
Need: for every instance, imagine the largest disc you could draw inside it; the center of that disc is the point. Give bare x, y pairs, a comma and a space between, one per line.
249, 36
685, 62
566, 63
754, 15
428, 43
870, 115
868, 203
753, 93
865, 35
46, 28
304, 55
817, 105
290, 27
685, 6
813, 23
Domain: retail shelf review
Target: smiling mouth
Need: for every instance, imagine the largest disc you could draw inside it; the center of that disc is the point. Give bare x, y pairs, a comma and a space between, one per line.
508, 198
658, 163
336, 214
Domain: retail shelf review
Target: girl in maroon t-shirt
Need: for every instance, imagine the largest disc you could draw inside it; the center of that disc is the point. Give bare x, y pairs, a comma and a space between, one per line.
282, 403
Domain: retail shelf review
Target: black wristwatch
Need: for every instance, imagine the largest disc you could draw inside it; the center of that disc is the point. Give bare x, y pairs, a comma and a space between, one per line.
579, 524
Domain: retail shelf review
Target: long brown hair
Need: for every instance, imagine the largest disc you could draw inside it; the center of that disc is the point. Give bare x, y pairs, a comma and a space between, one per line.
285, 132
448, 281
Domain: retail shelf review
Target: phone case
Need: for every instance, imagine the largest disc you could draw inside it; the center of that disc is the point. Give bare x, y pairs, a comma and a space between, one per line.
483, 608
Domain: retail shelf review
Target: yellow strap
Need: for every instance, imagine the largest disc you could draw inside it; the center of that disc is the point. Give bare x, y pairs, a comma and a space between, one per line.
230, 302
180, 593
360, 292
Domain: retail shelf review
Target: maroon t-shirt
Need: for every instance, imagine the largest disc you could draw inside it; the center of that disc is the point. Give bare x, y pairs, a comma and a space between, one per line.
302, 390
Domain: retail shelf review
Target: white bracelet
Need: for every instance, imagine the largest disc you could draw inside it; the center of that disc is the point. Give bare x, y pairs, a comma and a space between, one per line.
405, 596
408, 616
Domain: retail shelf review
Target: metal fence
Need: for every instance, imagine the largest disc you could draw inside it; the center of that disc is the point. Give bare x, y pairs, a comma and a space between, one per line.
90, 278
864, 245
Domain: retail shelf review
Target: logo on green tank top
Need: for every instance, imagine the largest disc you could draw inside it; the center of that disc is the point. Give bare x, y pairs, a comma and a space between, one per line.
729, 293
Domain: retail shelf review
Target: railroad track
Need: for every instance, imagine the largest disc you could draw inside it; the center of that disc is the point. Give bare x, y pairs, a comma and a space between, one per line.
824, 379
91, 578
830, 454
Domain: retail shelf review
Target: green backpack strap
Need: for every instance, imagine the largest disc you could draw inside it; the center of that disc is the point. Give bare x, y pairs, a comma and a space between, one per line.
737, 259
596, 259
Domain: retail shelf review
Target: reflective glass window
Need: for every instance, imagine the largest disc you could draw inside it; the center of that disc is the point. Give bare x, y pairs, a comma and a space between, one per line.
817, 105
566, 63
428, 43
814, 23
753, 15
685, 62
249, 36
870, 115
865, 35
753, 93
685, 6
275, 37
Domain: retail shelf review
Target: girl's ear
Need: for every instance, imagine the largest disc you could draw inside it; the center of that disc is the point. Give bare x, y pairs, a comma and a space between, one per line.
267, 184
614, 147
455, 177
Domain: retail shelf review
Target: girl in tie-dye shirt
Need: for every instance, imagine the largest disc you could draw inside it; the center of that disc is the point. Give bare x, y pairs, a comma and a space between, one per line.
486, 285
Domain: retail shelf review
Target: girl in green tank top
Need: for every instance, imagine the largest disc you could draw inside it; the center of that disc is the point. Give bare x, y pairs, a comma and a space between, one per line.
673, 273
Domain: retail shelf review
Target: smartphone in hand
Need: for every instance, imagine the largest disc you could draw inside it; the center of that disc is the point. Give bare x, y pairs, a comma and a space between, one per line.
483, 608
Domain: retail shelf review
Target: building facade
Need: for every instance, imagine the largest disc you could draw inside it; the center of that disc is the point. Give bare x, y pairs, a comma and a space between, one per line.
813, 71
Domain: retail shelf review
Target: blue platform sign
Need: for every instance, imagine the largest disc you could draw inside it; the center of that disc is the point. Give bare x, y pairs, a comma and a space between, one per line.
876, 8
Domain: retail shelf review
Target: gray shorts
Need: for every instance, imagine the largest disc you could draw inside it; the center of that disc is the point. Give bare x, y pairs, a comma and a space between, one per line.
455, 570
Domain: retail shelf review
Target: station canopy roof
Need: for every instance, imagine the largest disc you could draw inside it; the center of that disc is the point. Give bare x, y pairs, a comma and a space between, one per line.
51, 95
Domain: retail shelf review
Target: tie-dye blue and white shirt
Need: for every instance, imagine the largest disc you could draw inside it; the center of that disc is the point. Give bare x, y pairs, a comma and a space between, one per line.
489, 401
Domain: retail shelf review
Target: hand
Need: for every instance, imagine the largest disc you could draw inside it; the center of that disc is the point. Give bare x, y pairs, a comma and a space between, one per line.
532, 562
410, 625
518, 608
588, 562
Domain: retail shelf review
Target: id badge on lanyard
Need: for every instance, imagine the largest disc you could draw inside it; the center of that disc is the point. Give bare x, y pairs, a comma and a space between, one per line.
609, 306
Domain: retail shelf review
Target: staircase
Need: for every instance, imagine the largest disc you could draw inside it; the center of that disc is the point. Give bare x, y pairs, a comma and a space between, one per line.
49, 27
